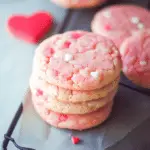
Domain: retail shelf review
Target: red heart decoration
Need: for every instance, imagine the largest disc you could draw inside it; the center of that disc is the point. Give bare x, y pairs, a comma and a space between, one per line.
30, 28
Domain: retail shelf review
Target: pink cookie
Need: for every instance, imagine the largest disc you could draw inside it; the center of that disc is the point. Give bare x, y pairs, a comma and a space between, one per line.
76, 122
77, 60
72, 108
78, 3
66, 95
135, 53
120, 21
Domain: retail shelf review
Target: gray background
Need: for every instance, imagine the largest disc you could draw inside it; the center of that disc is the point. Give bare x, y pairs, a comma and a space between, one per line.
16, 57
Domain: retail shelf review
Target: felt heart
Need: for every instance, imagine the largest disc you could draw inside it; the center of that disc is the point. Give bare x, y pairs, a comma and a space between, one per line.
30, 28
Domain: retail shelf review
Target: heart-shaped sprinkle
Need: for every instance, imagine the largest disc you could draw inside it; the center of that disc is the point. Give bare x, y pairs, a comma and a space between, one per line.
76, 35
75, 140
63, 117
67, 44
39, 92
107, 27
49, 52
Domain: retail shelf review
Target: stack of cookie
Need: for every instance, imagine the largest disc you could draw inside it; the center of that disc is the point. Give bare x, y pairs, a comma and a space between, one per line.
74, 80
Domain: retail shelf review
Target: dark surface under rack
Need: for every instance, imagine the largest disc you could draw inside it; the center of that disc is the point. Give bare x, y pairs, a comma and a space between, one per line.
80, 19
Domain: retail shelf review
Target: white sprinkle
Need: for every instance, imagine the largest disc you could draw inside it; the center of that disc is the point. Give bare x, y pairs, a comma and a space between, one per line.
107, 14
68, 57
95, 74
143, 63
140, 26
135, 20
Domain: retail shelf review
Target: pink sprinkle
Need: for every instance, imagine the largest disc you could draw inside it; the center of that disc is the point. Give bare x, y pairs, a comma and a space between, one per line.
55, 72
46, 61
49, 52
39, 92
107, 27
94, 121
76, 35
63, 117
67, 44
111, 52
